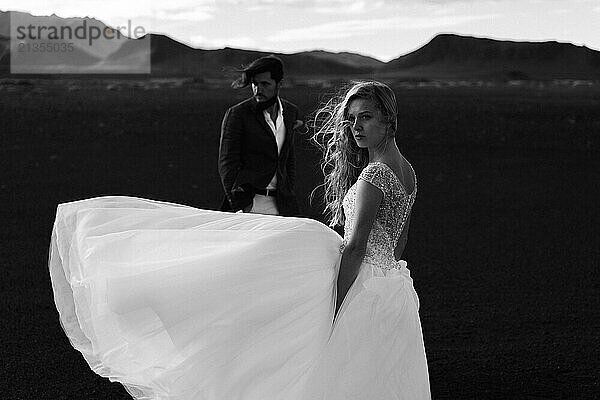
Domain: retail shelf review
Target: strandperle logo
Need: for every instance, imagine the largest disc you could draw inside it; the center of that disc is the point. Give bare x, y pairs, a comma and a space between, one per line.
83, 31
54, 45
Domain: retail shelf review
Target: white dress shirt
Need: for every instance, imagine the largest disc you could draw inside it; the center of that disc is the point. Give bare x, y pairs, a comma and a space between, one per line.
278, 129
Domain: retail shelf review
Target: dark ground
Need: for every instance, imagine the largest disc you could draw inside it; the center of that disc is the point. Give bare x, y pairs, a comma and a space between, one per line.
503, 243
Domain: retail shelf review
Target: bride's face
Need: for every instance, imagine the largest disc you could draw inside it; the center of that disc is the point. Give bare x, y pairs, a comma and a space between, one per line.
366, 123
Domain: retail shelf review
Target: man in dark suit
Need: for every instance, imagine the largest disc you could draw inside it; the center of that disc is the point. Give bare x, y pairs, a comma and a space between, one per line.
256, 151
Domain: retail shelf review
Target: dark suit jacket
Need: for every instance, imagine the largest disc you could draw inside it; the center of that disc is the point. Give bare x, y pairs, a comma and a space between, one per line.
248, 157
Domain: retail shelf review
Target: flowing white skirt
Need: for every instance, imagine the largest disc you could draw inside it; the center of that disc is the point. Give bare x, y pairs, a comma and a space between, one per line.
180, 303
376, 348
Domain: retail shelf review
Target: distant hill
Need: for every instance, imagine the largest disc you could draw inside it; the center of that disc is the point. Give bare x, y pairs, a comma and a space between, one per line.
445, 56
4, 51
351, 59
448, 55
4, 23
80, 57
4, 42
172, 57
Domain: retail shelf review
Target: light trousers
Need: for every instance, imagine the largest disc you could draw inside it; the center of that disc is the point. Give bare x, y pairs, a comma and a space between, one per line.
263, 205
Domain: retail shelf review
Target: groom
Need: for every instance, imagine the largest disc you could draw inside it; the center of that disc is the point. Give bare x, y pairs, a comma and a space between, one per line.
256, 150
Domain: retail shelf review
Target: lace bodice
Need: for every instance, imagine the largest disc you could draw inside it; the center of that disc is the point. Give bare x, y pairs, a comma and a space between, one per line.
391, 218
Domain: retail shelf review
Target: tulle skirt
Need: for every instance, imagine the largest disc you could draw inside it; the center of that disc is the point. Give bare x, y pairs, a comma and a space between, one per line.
376, 348
180, 303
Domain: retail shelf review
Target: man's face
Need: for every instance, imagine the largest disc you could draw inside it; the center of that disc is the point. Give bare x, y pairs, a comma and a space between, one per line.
264, 88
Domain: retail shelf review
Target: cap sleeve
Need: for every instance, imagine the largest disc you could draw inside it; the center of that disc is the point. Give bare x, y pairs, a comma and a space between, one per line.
376, 175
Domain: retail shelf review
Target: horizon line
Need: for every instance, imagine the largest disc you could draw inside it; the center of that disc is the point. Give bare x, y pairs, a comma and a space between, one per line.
193, 46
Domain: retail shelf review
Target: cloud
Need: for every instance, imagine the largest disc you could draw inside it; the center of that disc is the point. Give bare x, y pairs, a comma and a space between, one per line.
193, 13
559, 11
345, 29
115, 9
339, 5
317, 6
243, 42
198, 41
348, 7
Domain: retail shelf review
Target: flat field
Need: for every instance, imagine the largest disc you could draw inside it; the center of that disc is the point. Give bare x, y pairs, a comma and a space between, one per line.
503, 245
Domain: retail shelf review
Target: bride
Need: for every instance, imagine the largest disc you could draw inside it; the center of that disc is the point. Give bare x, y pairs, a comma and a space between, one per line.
176, 302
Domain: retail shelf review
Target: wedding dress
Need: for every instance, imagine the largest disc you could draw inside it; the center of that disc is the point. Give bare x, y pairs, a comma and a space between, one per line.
376, 348
180, 303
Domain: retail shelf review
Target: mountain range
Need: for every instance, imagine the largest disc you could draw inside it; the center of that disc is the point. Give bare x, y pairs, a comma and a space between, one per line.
446, 56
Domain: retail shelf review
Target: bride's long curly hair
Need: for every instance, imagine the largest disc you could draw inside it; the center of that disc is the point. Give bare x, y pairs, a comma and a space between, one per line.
342, 159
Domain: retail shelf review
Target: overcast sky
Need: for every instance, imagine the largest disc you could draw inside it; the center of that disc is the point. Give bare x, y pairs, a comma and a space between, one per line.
383, 29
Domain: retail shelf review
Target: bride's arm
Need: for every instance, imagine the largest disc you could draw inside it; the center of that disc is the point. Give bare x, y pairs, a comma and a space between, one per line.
368, 198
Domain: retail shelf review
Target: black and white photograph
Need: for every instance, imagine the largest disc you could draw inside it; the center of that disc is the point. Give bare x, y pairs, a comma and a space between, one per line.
300, 199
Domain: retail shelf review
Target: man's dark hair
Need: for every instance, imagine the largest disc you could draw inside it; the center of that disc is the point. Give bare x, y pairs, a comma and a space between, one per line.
271, 64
